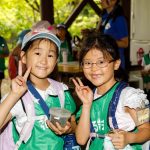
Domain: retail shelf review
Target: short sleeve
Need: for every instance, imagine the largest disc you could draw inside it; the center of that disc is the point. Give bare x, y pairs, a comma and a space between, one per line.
121, 27
134, 98
65, 87
17, 110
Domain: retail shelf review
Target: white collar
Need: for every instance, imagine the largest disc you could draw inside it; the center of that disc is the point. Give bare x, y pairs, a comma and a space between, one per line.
96, 95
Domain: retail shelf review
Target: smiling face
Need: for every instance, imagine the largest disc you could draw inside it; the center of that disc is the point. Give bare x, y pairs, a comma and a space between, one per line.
42, 57
100, 77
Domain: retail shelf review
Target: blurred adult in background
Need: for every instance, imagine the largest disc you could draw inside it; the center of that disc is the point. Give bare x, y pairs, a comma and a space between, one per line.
4, 52
113, 22
65, 39
14, 56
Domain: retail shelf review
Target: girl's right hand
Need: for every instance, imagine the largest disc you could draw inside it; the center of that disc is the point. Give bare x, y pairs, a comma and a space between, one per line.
84, 92
19, 85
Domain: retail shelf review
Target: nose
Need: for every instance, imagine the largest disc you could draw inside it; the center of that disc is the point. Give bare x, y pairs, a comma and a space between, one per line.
94, 66
43, 60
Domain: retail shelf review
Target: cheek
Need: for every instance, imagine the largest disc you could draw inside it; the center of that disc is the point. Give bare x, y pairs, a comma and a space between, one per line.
30, 61
52, 64
86, 73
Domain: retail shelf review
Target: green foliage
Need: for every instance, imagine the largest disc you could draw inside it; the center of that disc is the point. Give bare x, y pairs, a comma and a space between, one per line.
17, 15
86, 19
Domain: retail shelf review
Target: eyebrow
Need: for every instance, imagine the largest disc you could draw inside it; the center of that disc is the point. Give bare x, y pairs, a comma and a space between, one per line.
52, 51
97, 58
38, 48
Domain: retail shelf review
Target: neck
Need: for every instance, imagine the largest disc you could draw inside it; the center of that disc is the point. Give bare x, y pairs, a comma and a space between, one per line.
41, 84
102, 89
109, 10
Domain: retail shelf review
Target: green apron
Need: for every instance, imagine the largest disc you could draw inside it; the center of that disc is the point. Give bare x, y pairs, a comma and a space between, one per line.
99, 112
99, 118
42, 137
146, 79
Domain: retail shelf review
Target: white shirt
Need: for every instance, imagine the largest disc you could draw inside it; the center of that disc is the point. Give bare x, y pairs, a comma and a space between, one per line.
18, 111
132, 98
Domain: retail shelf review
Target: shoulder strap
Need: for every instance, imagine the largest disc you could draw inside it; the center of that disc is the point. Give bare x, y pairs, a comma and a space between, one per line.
56, 86
36, 94
114, 102
113, 105
6, 140
91, 124
6, 137
27, 128
59, 90
102, 27
111, 111
30, 111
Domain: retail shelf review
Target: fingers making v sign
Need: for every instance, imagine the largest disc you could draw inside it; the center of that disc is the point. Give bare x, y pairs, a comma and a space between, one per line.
84, 92
19, 85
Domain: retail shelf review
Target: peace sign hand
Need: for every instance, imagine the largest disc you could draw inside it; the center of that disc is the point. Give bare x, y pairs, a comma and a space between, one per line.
84, 92
19, 85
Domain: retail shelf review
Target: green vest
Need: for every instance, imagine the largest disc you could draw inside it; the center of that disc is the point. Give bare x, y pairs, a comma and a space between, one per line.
99, 117
146, 79
147, 59
99, 112
42, 138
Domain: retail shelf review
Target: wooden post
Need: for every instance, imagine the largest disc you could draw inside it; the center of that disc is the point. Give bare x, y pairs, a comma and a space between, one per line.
95, 7
75, 13
47, 10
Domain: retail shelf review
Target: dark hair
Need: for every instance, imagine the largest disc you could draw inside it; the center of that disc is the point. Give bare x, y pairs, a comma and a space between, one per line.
103, 42
117, 11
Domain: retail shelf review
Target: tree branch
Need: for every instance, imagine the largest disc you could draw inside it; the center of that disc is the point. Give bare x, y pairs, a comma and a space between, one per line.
32, 5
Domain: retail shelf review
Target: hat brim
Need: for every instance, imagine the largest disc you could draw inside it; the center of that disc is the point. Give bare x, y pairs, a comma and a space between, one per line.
39, 35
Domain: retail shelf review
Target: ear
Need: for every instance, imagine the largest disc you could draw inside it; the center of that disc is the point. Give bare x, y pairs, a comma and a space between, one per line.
23, 57
117, 64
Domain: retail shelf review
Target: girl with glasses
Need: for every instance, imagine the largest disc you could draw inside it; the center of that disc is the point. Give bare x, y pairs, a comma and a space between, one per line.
100, 62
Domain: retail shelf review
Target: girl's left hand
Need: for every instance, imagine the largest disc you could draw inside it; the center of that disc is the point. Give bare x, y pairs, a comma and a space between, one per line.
58, 129
118, 138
